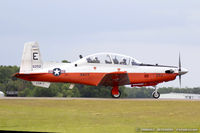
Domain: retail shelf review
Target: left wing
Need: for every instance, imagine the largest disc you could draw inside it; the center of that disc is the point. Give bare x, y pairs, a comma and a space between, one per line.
115, 79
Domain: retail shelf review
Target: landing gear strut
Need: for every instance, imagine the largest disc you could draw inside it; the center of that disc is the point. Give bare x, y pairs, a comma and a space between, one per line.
115, 93
156, 94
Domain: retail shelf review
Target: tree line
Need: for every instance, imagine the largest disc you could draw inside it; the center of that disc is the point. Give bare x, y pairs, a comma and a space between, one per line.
8, 83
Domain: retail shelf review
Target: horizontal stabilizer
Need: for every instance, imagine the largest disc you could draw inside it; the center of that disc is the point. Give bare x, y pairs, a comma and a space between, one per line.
41, 84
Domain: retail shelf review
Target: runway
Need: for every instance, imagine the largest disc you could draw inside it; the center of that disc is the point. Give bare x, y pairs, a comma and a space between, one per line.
95, 99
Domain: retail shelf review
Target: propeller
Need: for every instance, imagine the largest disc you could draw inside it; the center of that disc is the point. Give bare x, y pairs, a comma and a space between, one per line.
179, 70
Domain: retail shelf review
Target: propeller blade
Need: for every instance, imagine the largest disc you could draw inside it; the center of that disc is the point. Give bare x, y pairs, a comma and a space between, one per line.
180, 81
179, 62
179, 69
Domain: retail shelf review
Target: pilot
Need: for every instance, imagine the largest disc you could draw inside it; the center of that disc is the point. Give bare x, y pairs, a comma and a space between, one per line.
89, 60
115, 61
123, 62
96, 60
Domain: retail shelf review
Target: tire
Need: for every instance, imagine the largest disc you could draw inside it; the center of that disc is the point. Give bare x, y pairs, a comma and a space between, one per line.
116, 96
156, 96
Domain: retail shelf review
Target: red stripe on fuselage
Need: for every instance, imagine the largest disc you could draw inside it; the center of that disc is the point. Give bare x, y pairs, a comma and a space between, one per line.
95, 78
136, 78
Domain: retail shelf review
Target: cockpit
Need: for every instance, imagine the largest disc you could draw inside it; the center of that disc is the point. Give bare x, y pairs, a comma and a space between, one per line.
111, 58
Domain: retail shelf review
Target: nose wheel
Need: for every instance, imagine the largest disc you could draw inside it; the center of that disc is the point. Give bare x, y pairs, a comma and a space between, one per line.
115, 92
156, 94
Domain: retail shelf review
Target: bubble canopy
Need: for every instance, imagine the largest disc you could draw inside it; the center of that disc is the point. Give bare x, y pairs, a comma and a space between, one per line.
110, 58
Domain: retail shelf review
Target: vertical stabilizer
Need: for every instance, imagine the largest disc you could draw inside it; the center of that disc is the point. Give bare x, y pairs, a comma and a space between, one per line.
31, 58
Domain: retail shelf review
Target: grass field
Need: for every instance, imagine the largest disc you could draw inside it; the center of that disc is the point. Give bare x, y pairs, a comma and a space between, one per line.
97, 116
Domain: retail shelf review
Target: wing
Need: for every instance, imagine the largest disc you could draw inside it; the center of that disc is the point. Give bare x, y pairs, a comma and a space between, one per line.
115, 79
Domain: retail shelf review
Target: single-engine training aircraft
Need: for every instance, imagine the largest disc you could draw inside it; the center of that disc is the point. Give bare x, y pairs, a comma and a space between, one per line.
101, 69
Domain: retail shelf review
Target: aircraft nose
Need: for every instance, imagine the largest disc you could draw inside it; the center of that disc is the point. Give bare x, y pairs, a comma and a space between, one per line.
183, 71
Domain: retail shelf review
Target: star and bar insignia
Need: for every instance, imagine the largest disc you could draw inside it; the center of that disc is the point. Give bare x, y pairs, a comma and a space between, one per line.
56, 71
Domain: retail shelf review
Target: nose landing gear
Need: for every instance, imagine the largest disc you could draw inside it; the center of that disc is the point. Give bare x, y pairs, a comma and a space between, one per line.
115, 93
156, 94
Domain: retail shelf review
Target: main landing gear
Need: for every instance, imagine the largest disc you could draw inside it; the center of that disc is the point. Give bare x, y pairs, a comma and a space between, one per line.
115, 93
156, 94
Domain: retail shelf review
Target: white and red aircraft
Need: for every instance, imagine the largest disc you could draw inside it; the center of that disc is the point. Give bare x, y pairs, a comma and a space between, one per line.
101, 69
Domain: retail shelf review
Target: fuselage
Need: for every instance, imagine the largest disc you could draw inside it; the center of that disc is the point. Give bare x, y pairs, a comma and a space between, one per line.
92, 74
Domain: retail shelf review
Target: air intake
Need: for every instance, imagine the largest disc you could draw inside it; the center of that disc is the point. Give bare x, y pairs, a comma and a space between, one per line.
169, 71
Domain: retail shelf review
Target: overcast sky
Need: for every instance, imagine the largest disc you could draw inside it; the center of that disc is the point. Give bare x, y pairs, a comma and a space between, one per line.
152, 31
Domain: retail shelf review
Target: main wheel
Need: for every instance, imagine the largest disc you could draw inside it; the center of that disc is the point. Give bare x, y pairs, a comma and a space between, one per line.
116, 95
156, 95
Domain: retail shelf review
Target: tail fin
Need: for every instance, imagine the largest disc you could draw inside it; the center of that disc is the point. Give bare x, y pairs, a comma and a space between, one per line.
31, 59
